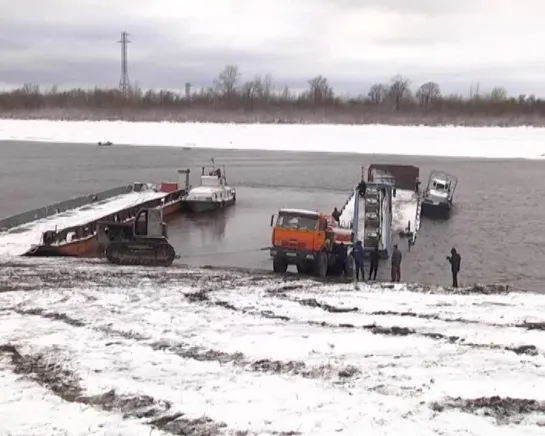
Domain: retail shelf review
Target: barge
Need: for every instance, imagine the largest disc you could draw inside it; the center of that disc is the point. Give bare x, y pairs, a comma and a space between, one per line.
388, 207
69, 228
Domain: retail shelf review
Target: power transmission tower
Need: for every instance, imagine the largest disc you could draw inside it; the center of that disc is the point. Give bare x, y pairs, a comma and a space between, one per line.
124, 84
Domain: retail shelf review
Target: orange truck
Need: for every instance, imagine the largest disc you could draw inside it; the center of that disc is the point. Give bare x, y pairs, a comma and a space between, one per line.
312, 241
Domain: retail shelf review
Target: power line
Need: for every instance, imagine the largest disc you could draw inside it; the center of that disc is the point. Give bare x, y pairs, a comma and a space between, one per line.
124, 84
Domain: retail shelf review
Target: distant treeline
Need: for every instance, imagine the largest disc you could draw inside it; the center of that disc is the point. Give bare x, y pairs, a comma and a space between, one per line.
231, 99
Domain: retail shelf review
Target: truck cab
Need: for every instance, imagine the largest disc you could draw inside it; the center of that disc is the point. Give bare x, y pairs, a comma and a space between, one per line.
308, 239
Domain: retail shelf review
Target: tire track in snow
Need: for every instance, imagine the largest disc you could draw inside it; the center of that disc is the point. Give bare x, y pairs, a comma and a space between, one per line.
202, 297
65, 384
202, 354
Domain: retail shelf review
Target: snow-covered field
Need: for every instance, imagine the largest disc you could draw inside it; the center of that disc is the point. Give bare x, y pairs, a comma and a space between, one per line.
91, 349
492, 142
18, 240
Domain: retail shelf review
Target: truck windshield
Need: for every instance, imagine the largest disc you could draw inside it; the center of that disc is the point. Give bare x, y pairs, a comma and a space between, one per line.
295, 221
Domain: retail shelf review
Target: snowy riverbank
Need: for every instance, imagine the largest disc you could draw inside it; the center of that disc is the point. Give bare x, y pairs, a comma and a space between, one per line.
84, 344
490, 142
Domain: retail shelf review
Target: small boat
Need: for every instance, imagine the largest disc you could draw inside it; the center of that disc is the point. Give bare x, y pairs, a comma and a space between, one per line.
213, 192
437, 198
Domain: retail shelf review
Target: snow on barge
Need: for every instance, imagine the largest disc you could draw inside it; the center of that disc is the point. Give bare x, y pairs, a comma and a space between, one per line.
69, 228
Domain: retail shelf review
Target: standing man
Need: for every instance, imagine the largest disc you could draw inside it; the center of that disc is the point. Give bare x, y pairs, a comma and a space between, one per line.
373, 268
362, 188
396, 264
358, 254
454, 260
336, 215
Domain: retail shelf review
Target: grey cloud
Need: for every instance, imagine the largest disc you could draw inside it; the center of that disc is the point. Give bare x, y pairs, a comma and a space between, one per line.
425, 7
37, 34
76, 54
84, 52
167, 70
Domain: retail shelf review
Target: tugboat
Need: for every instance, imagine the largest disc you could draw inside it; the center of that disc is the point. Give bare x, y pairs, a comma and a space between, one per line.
213, 192
437, 198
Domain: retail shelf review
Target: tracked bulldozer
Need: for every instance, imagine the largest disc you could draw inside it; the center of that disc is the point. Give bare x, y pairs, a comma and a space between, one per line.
140, 242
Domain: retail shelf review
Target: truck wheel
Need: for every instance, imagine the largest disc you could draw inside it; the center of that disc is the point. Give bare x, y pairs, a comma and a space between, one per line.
279, 265
320, 264
304, 268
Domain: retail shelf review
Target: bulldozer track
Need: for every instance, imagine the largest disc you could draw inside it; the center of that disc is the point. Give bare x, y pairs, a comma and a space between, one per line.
151, 254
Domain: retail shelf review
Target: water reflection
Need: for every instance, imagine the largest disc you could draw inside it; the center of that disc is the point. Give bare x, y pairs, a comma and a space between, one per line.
199, 229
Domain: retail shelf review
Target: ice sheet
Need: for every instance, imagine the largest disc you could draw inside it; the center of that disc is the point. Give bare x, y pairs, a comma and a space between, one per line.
104, 332
492, 142
18, 240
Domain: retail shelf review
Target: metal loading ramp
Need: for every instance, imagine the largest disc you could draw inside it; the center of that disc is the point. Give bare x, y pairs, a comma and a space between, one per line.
388, 209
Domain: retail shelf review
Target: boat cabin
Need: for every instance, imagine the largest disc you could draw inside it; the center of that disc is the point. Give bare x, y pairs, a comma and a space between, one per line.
440, 185
212, 181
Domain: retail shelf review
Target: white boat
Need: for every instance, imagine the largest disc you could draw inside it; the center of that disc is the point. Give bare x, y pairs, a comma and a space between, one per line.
213, 192
437, 198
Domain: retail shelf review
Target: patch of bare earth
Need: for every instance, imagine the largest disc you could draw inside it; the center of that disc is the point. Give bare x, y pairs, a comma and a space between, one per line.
269, 366
505, 410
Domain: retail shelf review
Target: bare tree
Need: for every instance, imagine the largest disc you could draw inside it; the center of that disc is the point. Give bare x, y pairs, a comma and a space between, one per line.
266, 86
399, 90
227, 81
250, 91
377, 93
286, 94
30, 89
475, 91
273, 105
498, 94
319, 90
428, 93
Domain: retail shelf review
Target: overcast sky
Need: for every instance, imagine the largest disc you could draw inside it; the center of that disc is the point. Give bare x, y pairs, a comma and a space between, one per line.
352, 42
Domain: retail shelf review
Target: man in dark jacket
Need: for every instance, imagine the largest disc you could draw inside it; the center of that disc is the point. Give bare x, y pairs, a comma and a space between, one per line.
358, 254
336, 215
396, 264
454, 260
373, 268
362, 188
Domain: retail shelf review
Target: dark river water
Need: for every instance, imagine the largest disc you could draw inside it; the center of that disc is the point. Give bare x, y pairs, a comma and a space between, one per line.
498, 225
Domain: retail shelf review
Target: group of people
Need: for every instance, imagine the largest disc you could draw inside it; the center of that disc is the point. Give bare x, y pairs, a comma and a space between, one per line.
395, 265
359, 255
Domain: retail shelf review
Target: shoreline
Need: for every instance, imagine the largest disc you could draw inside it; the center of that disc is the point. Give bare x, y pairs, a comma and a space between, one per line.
280, 117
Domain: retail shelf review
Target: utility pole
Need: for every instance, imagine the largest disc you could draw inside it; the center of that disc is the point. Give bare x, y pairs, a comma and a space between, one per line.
124, 84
